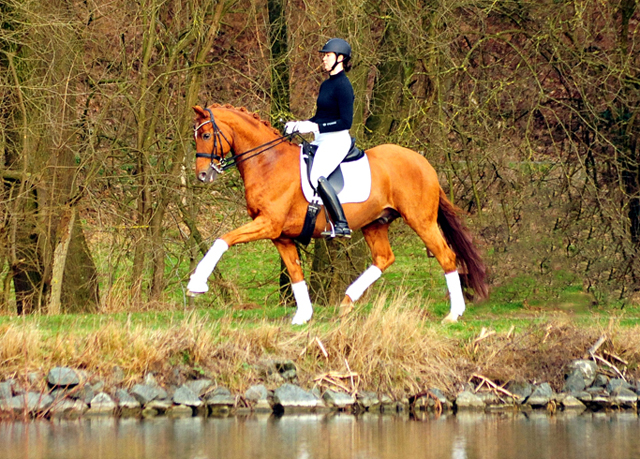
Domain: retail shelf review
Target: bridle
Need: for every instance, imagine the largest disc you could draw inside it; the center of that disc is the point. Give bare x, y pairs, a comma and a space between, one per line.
226, 163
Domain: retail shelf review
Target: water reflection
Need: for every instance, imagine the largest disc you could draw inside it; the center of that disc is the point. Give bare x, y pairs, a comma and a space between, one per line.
308, 436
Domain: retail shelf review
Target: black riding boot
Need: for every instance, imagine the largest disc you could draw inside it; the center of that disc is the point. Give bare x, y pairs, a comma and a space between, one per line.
333, 206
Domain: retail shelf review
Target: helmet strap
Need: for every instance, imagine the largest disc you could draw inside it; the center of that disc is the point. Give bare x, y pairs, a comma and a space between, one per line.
335, 64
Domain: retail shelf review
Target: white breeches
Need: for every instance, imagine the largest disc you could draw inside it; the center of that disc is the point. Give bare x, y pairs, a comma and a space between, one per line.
332, 149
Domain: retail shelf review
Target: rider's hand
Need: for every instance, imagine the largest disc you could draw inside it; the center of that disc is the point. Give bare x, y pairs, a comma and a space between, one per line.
290, 127
302, 127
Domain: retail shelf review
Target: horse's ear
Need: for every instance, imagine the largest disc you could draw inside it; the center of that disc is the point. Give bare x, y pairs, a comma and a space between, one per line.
200, 111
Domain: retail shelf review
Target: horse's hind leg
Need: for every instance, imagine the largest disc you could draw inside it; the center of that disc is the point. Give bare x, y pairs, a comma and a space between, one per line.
289, 254
435, 242
377, 237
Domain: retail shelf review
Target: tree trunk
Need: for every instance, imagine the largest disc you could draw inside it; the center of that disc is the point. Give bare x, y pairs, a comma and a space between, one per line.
42, 149
336, 264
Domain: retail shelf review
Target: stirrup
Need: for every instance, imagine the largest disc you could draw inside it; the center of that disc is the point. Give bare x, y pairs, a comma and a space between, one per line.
337, 231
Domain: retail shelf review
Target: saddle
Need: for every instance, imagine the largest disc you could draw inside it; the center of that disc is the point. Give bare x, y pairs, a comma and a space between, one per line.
336, 179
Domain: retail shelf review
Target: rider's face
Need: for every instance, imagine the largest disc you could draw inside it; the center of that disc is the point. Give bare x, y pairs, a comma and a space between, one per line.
328, 60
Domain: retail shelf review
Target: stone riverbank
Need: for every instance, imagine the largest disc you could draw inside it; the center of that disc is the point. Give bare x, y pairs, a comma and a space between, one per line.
69, 394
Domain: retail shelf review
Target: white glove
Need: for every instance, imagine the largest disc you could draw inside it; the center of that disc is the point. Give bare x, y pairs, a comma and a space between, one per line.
290, 127
302, 127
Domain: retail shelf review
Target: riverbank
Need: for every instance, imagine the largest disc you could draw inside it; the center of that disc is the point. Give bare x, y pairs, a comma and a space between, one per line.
389, 348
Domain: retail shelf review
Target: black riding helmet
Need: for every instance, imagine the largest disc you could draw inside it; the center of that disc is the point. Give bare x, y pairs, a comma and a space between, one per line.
338, 46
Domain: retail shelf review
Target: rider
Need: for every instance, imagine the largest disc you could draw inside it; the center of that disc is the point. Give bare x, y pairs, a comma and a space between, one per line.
330, 126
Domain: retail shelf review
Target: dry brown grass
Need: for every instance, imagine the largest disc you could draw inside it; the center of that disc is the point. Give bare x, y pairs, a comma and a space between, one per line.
390, 349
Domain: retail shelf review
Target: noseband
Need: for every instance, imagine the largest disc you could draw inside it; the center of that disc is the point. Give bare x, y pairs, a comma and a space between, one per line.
223, 163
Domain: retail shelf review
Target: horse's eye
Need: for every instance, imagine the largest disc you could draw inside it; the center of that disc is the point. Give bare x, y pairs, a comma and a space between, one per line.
206, 136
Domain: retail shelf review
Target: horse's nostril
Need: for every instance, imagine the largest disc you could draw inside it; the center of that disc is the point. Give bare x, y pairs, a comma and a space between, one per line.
202, 176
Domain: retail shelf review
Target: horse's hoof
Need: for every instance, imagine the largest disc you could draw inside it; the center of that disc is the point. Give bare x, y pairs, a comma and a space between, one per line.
346, 307
450, 319
191, 294
302, 317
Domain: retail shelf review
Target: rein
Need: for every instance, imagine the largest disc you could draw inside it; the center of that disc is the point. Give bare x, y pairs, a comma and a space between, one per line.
235, 159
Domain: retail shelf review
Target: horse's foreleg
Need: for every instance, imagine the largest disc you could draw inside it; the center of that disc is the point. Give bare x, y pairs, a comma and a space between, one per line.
289, 254
198, 281
377, 237
260, 228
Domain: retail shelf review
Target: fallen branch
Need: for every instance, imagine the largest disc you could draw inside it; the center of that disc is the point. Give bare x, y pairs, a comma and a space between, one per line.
334, 378
593, 349
610, 365
322, 348
615, 357
492, 385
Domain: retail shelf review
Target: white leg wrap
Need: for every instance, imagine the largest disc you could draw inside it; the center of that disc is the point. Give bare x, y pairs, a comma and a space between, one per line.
198, 281
455, 293
363, 282
304, 310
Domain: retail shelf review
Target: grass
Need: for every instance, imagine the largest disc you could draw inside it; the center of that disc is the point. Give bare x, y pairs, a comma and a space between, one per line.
394, 344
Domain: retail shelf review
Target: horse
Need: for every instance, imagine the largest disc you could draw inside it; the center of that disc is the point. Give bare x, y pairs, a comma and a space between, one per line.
404, 185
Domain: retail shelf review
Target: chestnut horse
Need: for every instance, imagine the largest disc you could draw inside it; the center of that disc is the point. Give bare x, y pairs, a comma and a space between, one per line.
404, 184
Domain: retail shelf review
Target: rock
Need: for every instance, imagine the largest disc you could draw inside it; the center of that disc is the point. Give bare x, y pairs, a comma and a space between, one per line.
467, 400
257, 392
574, 383
63, 377
258, 396
387, 404
367, 400
541, 395
439, 395
68, 409
145, 393
291, 397
584, 396
617, 383
160, 406
600, 381
128, 406
102, 404
33, 402
220, 401
286, 369
150, 380
587, 369
220, 396
570, 403
430, 401
522, 389
84, 393
6, 389
602, 401
199, 386
489, 398
623, 396
185, 396
338, 400
277, 371
98, 386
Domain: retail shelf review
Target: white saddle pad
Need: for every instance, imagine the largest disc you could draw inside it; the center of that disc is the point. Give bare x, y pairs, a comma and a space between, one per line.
357, 180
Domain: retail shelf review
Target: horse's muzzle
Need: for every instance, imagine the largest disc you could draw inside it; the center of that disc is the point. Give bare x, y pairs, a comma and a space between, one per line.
207, 176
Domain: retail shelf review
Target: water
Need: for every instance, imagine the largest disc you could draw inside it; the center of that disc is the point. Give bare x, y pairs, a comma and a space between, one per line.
329, 437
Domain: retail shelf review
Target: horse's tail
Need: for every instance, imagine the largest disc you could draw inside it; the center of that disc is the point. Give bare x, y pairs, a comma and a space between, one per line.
473, 270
